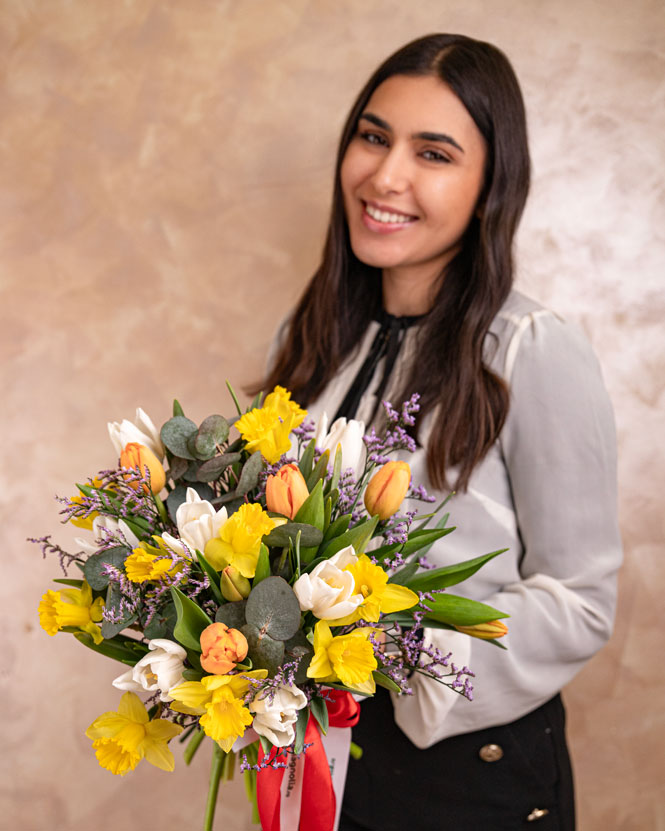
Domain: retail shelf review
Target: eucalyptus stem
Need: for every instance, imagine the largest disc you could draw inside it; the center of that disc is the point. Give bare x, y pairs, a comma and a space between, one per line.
216, 767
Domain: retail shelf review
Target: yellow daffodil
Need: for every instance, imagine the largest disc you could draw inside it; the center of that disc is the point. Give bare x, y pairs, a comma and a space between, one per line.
71, 607
381, 597
238, 541
268, 428
219, 700
148, 562
121, 739
346, 658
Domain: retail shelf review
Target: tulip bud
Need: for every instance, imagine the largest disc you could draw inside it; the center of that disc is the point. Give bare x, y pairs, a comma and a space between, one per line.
486, 631
221, 648
139, 456
233, 585
286, 491
387, 488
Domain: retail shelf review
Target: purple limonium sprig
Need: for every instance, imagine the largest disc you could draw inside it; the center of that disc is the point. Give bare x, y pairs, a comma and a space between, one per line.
268, 687
64, 557
419, 493
305, 433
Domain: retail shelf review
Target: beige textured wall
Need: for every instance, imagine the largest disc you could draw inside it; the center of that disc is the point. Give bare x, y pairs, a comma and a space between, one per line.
164, 178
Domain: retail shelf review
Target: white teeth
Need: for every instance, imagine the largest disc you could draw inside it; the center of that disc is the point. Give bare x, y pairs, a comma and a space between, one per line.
384, 216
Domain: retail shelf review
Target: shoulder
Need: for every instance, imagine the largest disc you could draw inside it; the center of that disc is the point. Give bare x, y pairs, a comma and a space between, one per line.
527, 335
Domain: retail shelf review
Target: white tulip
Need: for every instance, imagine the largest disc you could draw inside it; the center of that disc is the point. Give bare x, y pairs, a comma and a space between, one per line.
117, 527
198, 523
327, 591
161, 669
276, 719
348, 436
141, 430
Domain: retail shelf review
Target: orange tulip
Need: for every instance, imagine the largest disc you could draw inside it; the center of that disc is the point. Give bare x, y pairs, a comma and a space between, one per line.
486, 631
138, 456
222, 648
387, 488
286, 491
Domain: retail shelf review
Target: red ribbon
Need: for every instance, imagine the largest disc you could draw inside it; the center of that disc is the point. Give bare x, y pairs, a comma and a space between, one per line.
318, 804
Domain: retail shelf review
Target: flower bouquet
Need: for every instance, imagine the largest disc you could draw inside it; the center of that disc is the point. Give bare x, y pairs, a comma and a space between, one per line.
255, 590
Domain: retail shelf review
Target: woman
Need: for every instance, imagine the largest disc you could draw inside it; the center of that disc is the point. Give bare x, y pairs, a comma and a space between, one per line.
414, 295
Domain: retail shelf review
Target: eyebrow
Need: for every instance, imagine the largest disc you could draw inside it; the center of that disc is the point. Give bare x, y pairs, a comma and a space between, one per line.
442, 138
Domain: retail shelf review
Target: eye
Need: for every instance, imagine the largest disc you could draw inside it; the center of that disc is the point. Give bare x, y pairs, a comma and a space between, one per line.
435, 156
373, 138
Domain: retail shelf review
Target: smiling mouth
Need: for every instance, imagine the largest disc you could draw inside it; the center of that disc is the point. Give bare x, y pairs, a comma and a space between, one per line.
387, 217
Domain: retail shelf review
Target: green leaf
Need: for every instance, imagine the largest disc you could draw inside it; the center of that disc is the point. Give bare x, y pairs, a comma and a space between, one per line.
319, 471
234, 397
265, 652
162, 624
273, 608
192, 620
177, 409
298, 647
213, 576
179, 495
176, 433
401, 577
320, 713
358, 537
249, 478
94, 566
337, 469
311, 512
440, 578
113, 603
385, 682
213, 468
190, 674
66, 581
460, 611
262, 566
417, 540
115, 648
301, 727
232, 614
336, 528
307, 460
280, 536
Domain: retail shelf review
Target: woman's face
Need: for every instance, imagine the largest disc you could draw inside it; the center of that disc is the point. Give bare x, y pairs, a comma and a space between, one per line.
411, 178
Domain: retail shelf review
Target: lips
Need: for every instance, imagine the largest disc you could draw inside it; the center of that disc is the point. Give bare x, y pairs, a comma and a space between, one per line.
383, 218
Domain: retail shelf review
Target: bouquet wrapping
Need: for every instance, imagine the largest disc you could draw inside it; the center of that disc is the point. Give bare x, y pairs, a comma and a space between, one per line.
256, 579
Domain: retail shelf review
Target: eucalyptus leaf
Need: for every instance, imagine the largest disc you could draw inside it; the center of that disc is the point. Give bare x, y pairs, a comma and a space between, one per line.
232, 614
93, 568
265, 652
162, 623
113, 603
213, 468
192, 620
178, 467
280, 536
215, 426
175, 434
300, 649
249, 477
320, 713
273, 608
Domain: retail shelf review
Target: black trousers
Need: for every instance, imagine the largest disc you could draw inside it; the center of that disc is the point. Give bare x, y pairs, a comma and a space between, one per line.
455, 784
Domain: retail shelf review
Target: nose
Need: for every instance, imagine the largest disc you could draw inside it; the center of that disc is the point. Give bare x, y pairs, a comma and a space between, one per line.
392, 172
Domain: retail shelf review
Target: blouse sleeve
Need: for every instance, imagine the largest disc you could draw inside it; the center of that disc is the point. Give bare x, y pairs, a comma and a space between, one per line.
559, 450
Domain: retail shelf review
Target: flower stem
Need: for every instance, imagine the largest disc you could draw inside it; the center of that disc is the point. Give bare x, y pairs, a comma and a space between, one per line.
216, 767
193, 746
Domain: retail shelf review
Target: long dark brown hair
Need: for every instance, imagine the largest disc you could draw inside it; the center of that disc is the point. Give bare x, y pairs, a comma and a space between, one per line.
469, 401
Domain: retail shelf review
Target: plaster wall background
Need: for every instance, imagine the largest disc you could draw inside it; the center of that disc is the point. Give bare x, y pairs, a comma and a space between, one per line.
165, 169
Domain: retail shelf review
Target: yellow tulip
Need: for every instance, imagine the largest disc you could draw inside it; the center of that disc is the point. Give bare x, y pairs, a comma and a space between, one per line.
286, 491
233, 585
387, 488
138, 456
486, 631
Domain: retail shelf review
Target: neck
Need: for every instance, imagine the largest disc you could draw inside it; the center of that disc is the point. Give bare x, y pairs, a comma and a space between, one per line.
407, 294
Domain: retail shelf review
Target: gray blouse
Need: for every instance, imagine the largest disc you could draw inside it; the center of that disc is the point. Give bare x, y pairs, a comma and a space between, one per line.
546, 491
